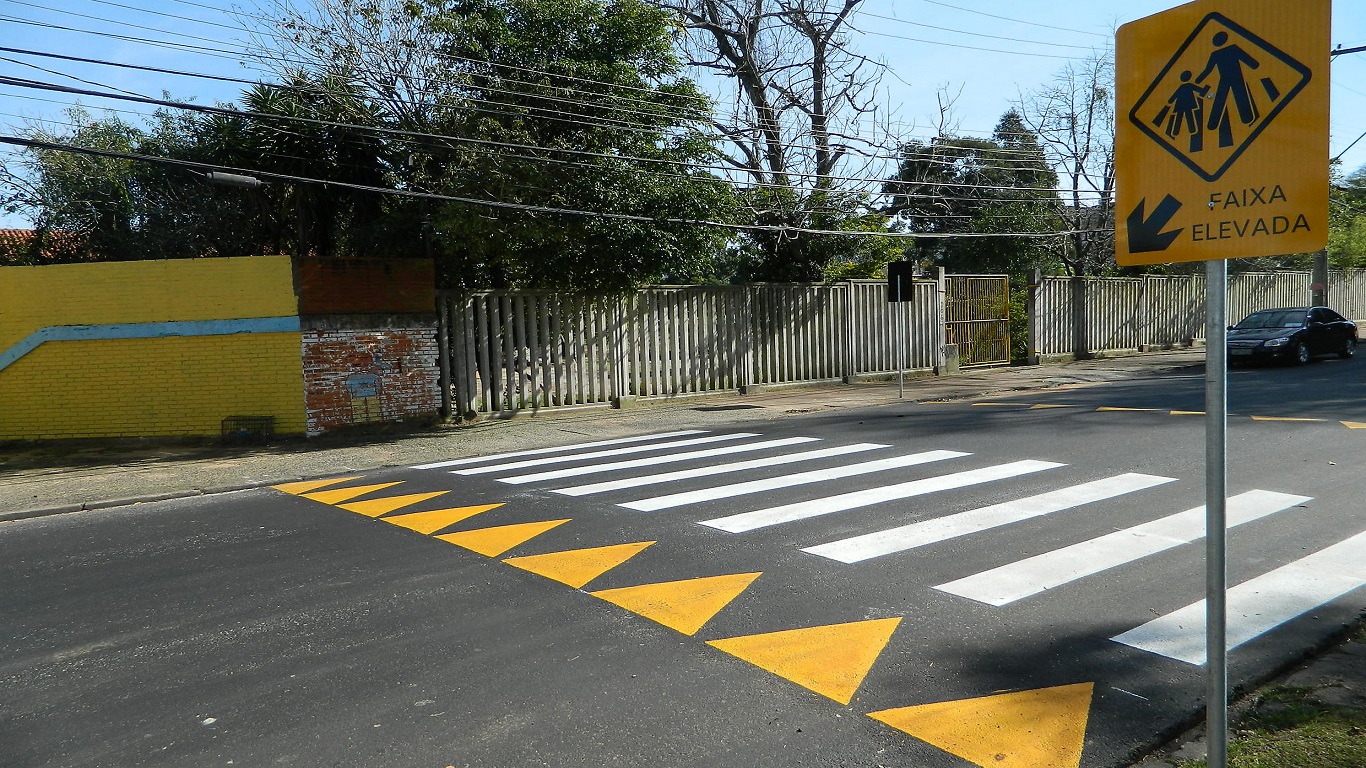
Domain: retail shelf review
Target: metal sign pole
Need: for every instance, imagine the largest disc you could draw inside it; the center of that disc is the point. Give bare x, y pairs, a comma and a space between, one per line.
901, 348
1216, 476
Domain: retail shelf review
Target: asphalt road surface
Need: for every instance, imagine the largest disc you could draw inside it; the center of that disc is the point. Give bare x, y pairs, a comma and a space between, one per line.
1014, 582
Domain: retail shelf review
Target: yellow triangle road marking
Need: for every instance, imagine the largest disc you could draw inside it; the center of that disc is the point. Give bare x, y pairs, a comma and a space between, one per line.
681, 605
1116, 409
493, 542
377, 507
1188, 413
1281, 418
435, 520
1049, 405
1043, 728
577, 567
345, 494
830, 660
1354, 425
310, 485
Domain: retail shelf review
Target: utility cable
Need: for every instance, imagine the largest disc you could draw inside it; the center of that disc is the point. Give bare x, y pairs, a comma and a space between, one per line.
440, 138
1016, 21
206, 167
947, 160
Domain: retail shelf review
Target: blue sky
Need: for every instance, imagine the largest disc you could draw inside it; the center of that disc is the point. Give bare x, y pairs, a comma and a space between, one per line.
991, 49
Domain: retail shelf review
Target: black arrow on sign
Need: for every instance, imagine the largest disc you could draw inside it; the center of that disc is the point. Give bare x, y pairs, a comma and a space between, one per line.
1146, 235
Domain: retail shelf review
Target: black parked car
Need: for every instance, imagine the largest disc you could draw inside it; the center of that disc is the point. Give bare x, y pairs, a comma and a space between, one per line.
1291, 335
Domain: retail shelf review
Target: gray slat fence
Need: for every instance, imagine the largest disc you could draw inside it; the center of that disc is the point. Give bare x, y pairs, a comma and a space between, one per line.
1164, 311
521, 350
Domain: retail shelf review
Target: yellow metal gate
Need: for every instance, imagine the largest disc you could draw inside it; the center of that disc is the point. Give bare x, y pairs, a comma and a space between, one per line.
977, 315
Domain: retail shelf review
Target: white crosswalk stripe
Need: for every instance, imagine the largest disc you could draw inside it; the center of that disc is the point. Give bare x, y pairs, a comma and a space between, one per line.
556, 474
558, 449
602, 454
919, 534
718, 469
787, 481
1018, 580
749, 521
1257, 606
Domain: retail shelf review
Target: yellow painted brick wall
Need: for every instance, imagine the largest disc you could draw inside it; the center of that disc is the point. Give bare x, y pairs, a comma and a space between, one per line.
143, 292
181, 385
152, 387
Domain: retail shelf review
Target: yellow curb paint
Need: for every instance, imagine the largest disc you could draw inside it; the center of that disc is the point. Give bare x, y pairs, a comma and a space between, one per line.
493, 542
684, 606
1354, 425
1043, 728
831, 660
436, 519
345, 494
1130, 410
577, 567
310, 485
377, 507
1188, 413
1282, 418
1047, 405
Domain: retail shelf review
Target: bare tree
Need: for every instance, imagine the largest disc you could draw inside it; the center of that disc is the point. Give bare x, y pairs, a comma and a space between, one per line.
384, 45
801, 100
1074, 118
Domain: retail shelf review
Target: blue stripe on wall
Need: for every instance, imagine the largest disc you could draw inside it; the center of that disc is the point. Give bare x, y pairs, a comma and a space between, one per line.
145, 331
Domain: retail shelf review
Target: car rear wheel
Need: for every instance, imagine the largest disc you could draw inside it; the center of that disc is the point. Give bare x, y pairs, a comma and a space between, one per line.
1299, 355
1349, 348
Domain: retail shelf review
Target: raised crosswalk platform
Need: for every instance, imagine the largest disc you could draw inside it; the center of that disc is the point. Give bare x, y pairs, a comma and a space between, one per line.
836, 482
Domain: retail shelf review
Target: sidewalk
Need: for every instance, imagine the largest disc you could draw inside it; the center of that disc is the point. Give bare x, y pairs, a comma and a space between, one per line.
52, 479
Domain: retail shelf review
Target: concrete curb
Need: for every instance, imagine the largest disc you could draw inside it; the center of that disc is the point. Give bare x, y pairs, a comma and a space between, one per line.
127, 501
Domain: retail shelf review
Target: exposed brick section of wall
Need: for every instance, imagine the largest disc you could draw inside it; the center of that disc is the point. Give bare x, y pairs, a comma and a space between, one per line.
361, 376
365, 286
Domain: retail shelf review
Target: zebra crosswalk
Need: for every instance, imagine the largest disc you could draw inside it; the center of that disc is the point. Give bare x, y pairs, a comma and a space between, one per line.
1021, 579
828, 480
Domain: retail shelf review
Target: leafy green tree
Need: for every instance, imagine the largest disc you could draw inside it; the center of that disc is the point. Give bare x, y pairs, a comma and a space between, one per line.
951, 185
540, 106
1347, 222
87, 207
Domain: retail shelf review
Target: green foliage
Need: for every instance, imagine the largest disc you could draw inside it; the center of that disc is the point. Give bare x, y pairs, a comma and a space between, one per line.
1287, 728
87, 207
522, 79
1019, 321
1347, 222
626, 106
953, 185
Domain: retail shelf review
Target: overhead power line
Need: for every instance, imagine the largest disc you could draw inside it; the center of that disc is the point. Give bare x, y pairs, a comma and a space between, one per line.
1016, 21
946, 160
570, 163
219, 53
958, 31
208, 168
234, 53
969, 47
408, 135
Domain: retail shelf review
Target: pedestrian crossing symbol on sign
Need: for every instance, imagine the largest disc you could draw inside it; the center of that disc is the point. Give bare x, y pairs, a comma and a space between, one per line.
1217, 94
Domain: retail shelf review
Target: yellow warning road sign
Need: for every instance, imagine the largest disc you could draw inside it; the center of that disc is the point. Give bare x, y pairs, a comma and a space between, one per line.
1221, 141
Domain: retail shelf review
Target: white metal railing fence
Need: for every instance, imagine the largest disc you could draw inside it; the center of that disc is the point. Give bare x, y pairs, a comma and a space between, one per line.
511, 351
1162, 311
